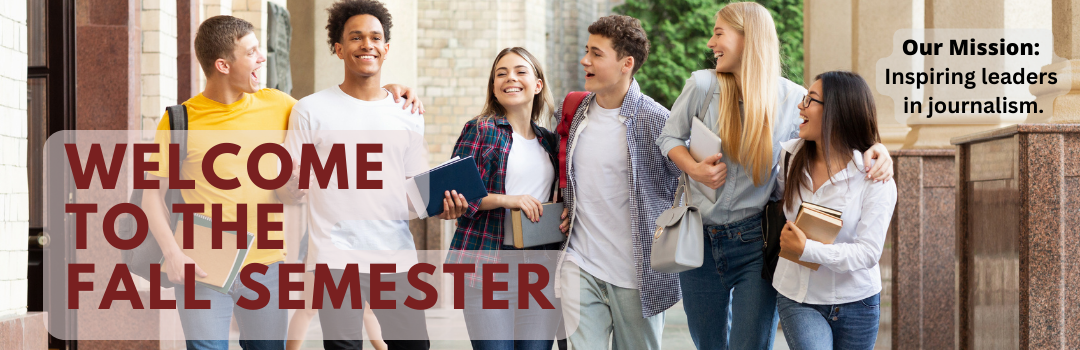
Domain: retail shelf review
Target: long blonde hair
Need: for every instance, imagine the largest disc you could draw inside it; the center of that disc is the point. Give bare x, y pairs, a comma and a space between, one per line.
748, 140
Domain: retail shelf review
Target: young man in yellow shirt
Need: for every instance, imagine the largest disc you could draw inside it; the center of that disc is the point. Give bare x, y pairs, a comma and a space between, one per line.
232, 108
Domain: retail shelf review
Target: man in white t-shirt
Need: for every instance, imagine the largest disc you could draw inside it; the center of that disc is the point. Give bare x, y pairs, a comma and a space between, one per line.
618, 182
360, 219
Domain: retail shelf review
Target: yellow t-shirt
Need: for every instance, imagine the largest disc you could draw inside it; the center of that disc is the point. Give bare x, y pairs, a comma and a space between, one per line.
255, 119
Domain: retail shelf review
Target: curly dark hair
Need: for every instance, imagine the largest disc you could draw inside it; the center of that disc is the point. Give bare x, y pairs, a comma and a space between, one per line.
342, 11
627, 36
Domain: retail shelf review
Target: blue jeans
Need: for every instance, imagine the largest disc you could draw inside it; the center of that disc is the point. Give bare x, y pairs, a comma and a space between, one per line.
727, 303
845, 326
264, 328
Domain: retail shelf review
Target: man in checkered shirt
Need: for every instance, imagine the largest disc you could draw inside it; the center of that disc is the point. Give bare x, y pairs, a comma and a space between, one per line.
617, 183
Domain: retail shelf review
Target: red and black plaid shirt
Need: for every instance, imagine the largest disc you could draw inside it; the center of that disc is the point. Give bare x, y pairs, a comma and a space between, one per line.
488, 141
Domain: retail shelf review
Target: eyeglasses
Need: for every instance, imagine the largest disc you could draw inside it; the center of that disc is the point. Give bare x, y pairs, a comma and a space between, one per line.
806, 101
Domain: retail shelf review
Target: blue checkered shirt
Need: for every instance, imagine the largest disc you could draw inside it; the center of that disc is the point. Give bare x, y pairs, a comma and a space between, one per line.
653, 178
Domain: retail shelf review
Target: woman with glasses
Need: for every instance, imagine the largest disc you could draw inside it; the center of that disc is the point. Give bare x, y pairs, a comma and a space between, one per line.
836, 305
752, 109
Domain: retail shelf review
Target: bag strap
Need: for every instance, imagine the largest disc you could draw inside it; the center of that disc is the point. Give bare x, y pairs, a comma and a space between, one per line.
706, 100
681, 190
569, 108
178, 124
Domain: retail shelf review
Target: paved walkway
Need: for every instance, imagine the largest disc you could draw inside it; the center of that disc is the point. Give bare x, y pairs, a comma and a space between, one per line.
676, 335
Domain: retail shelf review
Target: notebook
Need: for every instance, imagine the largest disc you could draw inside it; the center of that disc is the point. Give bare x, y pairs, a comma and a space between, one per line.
221, 265
820, 224
520, 232
703, 143
426, 190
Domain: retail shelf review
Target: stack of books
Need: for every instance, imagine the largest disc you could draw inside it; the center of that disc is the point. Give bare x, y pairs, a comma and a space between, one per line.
818, 223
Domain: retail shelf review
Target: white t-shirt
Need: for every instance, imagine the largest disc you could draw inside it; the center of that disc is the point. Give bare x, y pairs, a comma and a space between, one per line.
528, 169
350, 225
602, 241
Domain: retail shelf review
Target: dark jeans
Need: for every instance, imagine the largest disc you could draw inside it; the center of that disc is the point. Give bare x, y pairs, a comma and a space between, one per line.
728, 305
402, 327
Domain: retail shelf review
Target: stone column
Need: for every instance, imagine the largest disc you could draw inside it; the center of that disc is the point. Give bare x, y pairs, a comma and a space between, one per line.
187, 65
1066, 27
1017, 218
922, 237
109, 91
400, 65
965, 14
305, 45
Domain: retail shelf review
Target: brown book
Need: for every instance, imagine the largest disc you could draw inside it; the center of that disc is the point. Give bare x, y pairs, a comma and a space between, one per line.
832, 212
818, 225
221, 265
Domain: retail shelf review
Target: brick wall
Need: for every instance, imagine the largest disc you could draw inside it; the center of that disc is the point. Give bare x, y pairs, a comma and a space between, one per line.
14, 197
457, 41
159, 78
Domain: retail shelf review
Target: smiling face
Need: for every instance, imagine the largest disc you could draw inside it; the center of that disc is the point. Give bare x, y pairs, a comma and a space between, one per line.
246, 60
514, 82
363, 46
603, 68
726, 44
810, 129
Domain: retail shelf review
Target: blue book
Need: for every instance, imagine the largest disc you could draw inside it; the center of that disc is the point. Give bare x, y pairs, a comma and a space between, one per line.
427, 190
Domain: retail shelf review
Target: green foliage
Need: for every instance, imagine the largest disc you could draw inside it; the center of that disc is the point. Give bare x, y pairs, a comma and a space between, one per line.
680, 29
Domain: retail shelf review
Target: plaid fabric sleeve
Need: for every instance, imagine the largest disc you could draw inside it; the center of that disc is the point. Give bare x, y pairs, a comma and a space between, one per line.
472, 143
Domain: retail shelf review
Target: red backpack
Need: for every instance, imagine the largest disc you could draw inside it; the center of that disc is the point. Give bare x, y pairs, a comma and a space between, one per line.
573, 99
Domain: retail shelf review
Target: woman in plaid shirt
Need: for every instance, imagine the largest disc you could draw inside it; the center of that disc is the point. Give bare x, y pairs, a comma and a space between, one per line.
517, 160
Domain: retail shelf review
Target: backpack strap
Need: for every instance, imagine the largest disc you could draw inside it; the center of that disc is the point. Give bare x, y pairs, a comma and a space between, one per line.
178, 124
570, 106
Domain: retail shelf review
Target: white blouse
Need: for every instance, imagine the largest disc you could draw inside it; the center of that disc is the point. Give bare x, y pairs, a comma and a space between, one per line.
849, 267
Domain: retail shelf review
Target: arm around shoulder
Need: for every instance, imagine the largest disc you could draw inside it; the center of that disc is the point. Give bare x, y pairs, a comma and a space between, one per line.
877, 208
